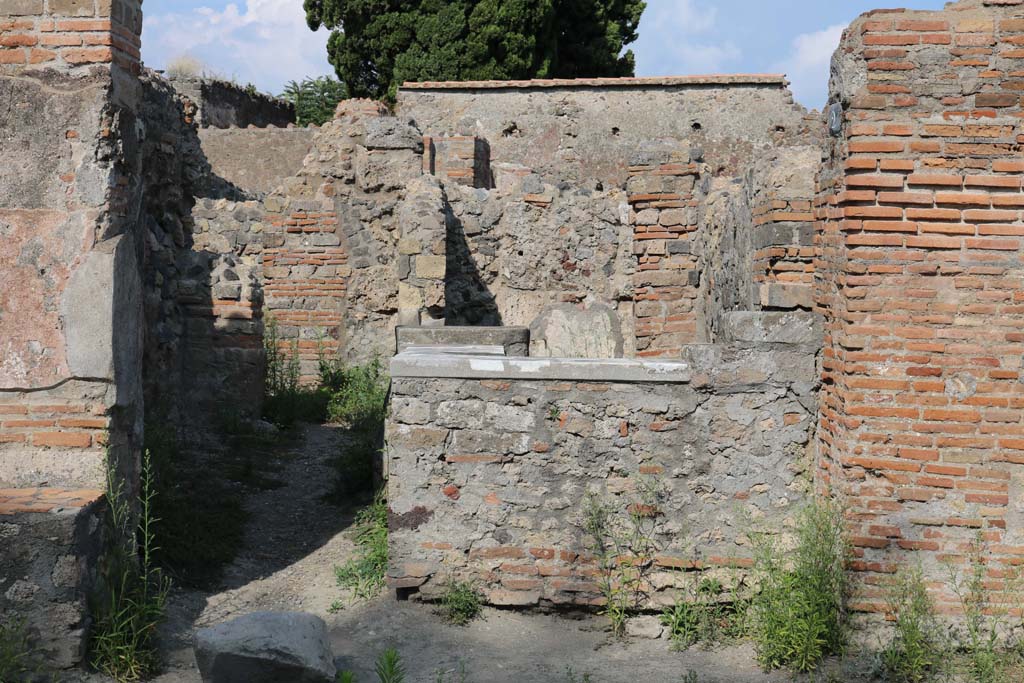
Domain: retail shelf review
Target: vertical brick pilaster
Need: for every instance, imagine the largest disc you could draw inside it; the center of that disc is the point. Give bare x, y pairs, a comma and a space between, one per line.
919, 218
662, 193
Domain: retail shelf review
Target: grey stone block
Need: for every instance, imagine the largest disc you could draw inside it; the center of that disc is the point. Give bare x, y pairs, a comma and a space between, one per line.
266, 647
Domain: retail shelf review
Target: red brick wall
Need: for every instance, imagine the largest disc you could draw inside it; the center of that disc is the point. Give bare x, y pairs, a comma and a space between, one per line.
919, 232
662, 195
306, 306
70, 34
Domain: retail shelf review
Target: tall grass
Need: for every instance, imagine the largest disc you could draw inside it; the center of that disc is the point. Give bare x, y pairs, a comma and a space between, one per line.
123, 643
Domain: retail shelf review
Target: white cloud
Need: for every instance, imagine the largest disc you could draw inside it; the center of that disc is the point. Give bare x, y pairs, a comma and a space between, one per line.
266, 42
808, 62
669, 43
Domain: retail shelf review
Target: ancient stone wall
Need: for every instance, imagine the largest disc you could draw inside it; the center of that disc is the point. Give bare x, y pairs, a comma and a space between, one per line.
70, 301
920, 226
256, 159
585, 131
490, 460
224, 104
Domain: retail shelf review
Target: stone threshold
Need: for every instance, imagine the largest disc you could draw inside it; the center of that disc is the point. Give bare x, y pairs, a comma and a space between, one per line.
423, 362
28, 500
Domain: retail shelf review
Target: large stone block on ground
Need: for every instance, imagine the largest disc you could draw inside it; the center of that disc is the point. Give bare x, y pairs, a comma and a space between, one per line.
266, 647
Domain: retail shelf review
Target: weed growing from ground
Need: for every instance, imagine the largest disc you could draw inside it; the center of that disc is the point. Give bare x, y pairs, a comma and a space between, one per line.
358, 399
916, 651
986, 615
364, 573
460, 603
704, 616
625, 546
18, 657
136, 591
799, 614
389, 667
285, 400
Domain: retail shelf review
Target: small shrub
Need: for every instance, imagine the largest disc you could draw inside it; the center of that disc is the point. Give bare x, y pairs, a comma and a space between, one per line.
915, 652
460, 603
571, 677
358, 393
185, 66
19, 659
123, 644
389, 667
364, 574
358, 399
345, 677
799, 613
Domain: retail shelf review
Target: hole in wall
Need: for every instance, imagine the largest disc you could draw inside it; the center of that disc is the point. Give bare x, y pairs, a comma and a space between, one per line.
780, 129
696, 125
615, 130
520, 252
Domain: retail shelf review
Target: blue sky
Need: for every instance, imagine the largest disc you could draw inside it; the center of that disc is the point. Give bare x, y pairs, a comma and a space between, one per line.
267, 43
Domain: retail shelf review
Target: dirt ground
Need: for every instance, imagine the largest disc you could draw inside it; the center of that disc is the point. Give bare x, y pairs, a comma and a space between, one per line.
294, 539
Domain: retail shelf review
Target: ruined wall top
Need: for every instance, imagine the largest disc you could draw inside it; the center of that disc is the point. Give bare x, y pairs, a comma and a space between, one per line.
223, 104
630, 82
586, 131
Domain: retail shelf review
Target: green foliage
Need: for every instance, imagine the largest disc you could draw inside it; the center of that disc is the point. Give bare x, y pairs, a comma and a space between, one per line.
705, 617
986, 615
624, 545
189, 496
460, 603
916, 651
364, 573
375, 45
389, 667
315, 99
126, 618
799, 613
345, 677
358, 399
285, 400
358, 393
19, 659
